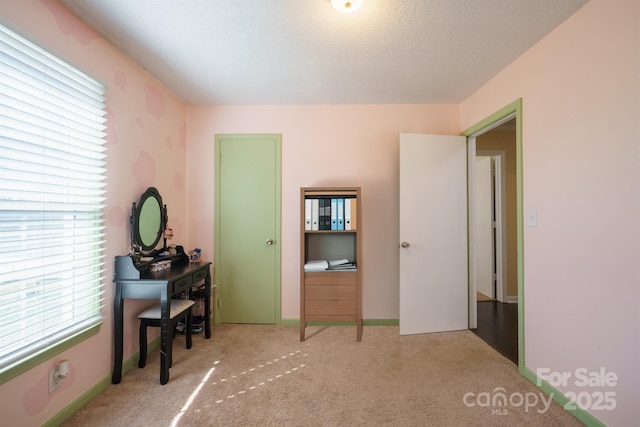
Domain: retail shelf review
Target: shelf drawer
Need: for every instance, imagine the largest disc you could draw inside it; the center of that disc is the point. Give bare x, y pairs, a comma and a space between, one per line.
331, 292
330, 307
331, 318
181, 284
199, 275
331, 278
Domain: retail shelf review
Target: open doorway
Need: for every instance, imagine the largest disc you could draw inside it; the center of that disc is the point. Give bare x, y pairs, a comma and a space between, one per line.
505, 115
496, 239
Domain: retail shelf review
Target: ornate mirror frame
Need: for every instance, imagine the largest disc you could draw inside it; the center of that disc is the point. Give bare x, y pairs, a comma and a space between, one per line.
148, 220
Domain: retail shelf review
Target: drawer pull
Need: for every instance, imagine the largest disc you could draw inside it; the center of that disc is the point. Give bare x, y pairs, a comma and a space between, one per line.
199, 275
186, 281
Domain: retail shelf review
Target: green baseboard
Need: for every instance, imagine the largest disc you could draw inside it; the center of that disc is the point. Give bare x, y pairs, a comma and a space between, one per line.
69, 410
78, 403
381, 322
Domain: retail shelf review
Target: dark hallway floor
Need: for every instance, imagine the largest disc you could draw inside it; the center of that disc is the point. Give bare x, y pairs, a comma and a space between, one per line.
498, 327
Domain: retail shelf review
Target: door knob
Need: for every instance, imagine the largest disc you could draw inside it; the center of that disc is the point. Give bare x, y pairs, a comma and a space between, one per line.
405, 244
269, 242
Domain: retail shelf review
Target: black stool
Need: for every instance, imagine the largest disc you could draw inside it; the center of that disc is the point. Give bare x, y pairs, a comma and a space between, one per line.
181, 309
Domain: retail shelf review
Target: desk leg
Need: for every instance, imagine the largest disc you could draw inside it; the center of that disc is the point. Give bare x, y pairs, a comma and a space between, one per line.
116, 376
165, 339
207, 305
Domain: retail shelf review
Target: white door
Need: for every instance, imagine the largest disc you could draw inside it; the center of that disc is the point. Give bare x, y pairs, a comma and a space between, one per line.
484, 226
433, 233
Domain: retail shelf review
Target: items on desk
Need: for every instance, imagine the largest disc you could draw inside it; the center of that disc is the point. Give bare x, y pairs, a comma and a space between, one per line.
195, 255
160, 265
168, 235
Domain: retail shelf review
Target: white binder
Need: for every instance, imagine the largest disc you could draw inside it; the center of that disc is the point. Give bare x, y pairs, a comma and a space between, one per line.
307, 214
315, 219
347, 214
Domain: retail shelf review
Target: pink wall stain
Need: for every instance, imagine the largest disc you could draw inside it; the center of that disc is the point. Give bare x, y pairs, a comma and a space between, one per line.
178, 182
112, 135
117, 217
154, 101
168, 142
69, 24
37, 397
140, 122
144, 170
182, 140
120, 79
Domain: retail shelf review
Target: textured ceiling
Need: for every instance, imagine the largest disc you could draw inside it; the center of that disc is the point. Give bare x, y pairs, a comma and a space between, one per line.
305, 52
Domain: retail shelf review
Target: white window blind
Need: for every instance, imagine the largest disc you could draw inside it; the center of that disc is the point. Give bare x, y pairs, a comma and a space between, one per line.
52, 129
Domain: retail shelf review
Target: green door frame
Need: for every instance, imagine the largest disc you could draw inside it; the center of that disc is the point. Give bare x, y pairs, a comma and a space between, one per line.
514, 109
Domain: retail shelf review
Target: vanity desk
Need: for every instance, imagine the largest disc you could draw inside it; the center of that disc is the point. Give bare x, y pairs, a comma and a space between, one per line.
150, 273
137, 282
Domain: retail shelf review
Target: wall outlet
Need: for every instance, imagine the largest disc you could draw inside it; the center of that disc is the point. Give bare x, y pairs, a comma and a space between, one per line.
57, 374
54, 381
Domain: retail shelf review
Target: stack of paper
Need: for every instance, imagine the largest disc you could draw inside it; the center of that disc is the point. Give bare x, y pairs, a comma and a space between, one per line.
316, 265
342, 264
322, 265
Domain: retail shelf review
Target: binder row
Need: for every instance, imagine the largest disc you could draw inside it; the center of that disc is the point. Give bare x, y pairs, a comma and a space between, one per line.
325, 213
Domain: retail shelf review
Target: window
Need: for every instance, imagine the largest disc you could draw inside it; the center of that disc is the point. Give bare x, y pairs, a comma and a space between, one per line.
52, 168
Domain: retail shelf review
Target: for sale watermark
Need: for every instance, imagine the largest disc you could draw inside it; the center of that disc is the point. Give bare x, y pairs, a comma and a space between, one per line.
594, 387
590, 390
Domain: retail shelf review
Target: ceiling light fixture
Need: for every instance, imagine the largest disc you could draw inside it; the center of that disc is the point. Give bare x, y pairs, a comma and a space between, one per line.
347, 6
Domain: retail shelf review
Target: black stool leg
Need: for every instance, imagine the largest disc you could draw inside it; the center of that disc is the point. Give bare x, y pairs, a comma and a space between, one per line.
187, 315
170, 344
143, 344
189, 326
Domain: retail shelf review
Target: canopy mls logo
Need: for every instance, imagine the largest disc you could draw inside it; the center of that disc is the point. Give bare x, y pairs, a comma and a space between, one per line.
499, 401
596, 395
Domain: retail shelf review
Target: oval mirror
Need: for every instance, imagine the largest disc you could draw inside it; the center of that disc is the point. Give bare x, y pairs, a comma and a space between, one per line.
148, 223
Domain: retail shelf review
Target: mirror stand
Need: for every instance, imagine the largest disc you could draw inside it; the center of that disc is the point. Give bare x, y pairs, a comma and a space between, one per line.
136, 250
149, 218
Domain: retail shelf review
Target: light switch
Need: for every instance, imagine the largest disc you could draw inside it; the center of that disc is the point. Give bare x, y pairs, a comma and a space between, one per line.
532, 218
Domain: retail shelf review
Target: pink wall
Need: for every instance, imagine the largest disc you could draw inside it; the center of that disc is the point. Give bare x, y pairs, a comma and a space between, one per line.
146, 147
581, 134
359, 147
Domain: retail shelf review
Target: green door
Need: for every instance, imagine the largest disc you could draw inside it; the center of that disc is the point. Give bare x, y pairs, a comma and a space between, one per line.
247, 228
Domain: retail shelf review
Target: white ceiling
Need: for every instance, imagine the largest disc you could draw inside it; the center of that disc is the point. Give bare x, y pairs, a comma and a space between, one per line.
305, 52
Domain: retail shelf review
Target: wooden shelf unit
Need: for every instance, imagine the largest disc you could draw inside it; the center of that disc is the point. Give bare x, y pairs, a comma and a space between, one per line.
333, 295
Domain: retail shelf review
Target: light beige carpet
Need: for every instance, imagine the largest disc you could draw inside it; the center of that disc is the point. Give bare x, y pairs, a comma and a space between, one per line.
253, 375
